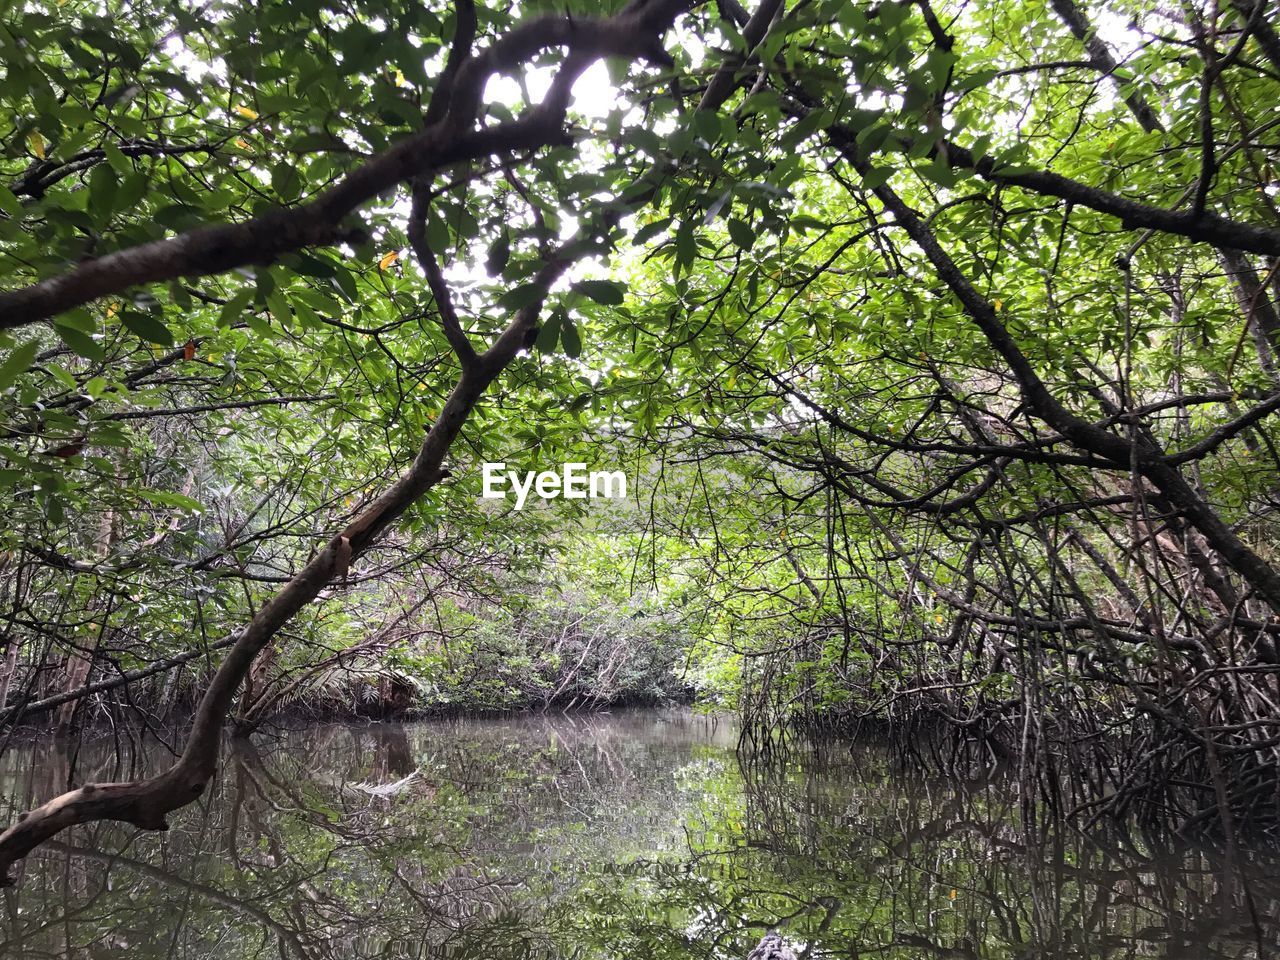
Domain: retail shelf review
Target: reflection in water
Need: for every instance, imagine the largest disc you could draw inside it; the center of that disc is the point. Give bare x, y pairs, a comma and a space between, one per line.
634, 835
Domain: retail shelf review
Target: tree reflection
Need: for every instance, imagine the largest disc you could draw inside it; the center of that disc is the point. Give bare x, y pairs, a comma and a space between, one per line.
636, 835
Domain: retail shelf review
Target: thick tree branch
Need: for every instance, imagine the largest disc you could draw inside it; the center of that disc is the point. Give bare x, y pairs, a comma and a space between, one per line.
464, 35
1254, 11
1202, 228
449, 321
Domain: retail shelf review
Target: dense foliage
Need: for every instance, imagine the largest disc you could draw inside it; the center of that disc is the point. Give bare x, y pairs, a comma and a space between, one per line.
939, 342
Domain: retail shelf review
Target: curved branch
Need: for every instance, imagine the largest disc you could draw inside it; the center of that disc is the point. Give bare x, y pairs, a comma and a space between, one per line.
1202, 448
1202, 228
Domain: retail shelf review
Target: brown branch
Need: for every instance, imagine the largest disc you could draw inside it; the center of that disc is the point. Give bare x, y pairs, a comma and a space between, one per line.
1138, 452
20, 711
1202, 228
1202, 448
724, 81
212, 407
1263, 32
449, 321
464, 35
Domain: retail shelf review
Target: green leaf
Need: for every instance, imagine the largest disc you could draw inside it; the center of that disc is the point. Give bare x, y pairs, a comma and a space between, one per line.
119, 162
177, 217
686, 247
569, 338
345, 283
80, 320
306, 316
234, 307
938, 172
607, 292
18, 362
79, 341
650, 230
9, 204
876, 177
167, 498
809, 124
131, 190
517, 298
708, 125
438, 236
979, 78
549, 334
278, 304
102, 190
499, 254
62, 375
285, 181
321, 268
741, 233
146, 326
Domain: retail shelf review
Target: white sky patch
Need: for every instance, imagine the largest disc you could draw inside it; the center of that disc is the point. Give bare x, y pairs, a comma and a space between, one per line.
594, 96
192, 66
1116, 32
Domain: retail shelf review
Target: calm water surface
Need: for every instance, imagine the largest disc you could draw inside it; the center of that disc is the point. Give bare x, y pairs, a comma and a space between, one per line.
633, 835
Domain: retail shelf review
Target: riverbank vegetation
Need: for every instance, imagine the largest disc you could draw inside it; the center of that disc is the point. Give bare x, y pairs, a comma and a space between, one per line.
938, 343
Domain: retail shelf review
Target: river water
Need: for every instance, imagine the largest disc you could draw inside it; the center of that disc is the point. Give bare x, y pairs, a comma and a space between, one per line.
633, 835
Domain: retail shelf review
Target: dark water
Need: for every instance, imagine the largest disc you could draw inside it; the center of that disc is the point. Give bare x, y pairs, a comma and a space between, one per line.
635, 835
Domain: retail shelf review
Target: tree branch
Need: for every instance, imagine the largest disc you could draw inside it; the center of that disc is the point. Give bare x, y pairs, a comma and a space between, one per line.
453, 331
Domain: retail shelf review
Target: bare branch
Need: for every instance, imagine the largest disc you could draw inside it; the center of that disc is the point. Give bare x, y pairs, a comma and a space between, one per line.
453, 331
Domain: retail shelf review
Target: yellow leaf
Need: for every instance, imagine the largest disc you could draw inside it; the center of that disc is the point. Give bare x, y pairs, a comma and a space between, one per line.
37, 144
246, 112
400, 80
998, 304
242, 143
112, 310
388, 259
